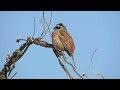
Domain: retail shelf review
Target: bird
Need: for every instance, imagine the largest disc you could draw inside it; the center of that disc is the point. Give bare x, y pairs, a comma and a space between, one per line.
62, 40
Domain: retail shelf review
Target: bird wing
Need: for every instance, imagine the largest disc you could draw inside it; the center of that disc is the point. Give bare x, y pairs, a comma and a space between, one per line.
67, 41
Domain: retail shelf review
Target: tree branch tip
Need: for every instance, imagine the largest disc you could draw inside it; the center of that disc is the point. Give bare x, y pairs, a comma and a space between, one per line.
17, 40
83, 75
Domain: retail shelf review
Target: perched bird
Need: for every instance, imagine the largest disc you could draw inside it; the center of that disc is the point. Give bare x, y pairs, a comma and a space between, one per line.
63, 41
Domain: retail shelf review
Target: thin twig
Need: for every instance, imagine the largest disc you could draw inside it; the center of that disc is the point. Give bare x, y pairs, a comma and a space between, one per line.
45, 31
48, 26
86, 76
44, 20
34, 27
72, 67
7, 57
11, 70
44, 25
60, 62
91, 60
59, 54
65, 69
42, 43
18, 40
41, 22
13, 76
44, 28
96, 74
99, 74
25, 49
50, 23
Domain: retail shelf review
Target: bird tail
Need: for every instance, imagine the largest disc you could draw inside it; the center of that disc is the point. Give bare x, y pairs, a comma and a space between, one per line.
73, 62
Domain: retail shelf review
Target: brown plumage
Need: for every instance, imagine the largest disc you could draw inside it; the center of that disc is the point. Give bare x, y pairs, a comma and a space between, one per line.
63, 41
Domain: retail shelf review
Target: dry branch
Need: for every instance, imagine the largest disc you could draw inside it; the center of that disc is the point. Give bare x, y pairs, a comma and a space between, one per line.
17, 54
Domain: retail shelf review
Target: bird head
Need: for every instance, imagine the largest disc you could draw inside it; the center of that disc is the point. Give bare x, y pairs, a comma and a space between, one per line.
59, 26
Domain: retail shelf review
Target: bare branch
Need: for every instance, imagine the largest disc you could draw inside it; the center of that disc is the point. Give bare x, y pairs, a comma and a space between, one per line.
86, 76
60, 62
58, 55
43, 29
43, 24
72, 67
42, 43
13, 76
91, 60
18, 40
50, 23
48, 26
11, 69
64, 59
7, 57
44, 20
34, 27
99, 74
16, 55
65, 69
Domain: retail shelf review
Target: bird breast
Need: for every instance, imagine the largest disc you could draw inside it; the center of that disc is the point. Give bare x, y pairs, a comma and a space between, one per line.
56, 41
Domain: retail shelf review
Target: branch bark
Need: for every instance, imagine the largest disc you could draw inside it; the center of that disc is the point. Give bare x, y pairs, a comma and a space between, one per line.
17, 54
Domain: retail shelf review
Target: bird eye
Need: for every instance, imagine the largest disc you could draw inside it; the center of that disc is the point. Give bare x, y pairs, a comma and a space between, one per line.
55, 28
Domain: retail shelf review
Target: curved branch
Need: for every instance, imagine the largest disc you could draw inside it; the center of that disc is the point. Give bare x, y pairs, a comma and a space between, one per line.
62, 65
16, 55
72, 67
91, 60
13, 76
48, 26
34, 27
65, 69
